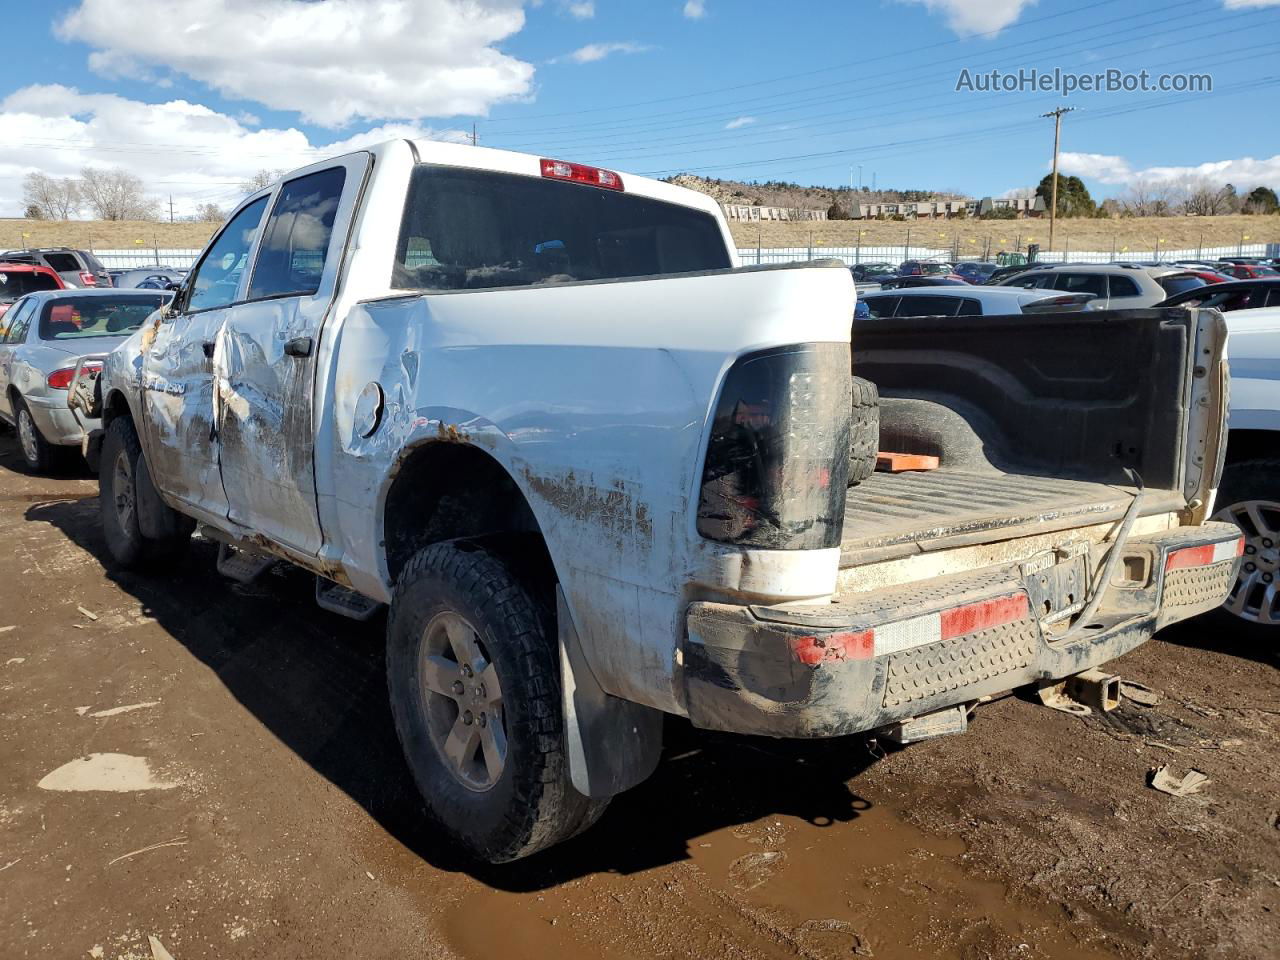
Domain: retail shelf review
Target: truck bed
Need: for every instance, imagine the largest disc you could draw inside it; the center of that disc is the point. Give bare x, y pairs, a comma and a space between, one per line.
892, 515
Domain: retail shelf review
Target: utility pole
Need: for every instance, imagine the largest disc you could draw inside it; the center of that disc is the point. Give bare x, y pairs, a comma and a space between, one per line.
474, 139
171, 208
1053, 190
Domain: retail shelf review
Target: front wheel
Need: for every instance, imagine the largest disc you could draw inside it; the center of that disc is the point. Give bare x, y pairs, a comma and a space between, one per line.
1250, 498
474, 678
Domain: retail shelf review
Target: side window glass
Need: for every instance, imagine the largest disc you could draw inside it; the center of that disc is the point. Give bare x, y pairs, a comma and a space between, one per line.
1094, 283
882, 306
970, 308
1124, 287
218, 275
914, 306
18, 332
296, 240
11, 320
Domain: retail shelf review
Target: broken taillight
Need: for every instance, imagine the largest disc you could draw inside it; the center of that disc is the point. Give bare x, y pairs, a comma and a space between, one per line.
61, 378
581, 173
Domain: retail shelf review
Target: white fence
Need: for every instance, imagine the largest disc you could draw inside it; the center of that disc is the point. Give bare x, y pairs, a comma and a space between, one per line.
897, 253
142, 257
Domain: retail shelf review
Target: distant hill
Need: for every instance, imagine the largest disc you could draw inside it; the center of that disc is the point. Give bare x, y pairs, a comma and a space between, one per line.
776, 193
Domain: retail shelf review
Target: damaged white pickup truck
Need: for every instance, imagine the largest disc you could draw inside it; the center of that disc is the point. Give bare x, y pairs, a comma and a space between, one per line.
601, 474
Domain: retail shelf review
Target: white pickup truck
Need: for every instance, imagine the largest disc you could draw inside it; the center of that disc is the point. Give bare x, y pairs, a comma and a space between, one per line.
600, 473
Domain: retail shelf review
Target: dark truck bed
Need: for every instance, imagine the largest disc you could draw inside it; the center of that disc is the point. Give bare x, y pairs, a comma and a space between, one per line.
1036, 420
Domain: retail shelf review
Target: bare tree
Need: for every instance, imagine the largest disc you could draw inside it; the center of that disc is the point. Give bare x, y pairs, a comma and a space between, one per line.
56, 199
1149, 198
263, 178
1200, 196
210, 213
116, 195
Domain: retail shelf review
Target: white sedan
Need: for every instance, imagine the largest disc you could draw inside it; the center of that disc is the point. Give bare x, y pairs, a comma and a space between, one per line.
971, 301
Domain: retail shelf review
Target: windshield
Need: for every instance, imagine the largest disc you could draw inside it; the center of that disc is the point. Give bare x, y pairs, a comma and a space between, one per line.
935, 268
472, 229
18, 283
81, 318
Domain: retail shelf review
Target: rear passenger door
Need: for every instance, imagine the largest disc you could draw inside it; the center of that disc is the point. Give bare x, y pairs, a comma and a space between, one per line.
266, 356
1094, 283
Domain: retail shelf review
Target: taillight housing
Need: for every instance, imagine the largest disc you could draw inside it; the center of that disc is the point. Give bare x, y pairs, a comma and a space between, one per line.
88, 279
581, 173
777, 466
61, 378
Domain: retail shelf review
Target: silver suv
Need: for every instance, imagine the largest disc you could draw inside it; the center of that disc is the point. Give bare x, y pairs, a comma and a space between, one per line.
77, 268
1115, 286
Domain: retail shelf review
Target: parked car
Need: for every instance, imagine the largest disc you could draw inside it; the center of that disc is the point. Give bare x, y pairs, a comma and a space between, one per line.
134, 277
1116, 286
19, 279
1250, 492
1001, 274
975, 271
987, 301
1233, 295
582, 526
872, 272
1239, 260
77, 268
1249, 271
46, 336
924, 268
936, 280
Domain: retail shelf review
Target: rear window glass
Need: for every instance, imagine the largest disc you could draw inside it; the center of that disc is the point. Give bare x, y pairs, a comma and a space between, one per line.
1176, 285
470, 230
62, 262
85, 317
18, 283
917, 306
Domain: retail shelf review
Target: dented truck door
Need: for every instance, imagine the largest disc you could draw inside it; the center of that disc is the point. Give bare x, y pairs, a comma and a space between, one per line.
267, 356
179, 419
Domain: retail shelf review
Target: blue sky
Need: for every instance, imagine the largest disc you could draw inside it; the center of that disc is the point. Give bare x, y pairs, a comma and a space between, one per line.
195, 95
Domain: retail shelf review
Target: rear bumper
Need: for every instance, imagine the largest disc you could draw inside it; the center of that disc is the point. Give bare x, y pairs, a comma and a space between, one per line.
57, 424
869, 660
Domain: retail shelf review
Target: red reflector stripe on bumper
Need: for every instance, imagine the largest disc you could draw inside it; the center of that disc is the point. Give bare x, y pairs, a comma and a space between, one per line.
982, 616
1205, 555
914, 632
833, 646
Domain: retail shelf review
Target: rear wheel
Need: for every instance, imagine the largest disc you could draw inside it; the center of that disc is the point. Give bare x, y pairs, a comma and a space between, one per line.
1250, 498
37, 452
864, 430
473, 673
120, 468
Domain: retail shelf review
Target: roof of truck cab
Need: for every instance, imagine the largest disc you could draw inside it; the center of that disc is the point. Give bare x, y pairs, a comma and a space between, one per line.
530, 164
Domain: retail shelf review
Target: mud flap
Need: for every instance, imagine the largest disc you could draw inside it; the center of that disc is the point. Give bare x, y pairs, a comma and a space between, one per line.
613, 744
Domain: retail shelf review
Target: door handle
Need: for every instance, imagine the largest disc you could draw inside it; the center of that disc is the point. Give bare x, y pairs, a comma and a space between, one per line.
298, 347
208, 346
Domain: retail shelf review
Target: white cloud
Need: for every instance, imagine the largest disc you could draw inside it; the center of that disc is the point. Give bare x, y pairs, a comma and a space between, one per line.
1240, 4
333, 61
967, 17
1245, 172
695, 9
178, 147
1018, 192
598, 51
737, 122
579, 11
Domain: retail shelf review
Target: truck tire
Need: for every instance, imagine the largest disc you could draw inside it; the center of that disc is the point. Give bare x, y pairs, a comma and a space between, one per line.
864, 430
120, 466
473, 673
1250, 493
37, 452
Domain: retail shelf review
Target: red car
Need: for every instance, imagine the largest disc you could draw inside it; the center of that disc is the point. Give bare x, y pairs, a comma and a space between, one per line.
19, 279
1210, 276
1249, 271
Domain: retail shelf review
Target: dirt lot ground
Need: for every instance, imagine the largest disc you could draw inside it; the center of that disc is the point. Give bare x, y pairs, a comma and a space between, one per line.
271, 814
105, 235
1173, 233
